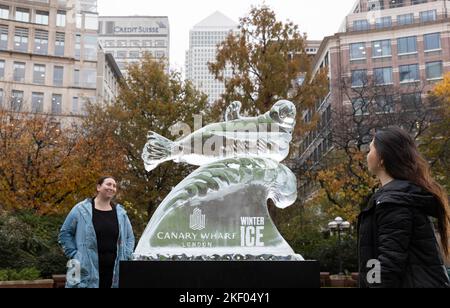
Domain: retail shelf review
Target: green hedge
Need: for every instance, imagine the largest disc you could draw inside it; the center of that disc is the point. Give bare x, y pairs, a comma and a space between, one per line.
15, 275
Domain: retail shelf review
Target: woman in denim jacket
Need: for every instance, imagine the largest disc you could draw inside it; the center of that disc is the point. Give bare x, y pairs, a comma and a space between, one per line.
96, 236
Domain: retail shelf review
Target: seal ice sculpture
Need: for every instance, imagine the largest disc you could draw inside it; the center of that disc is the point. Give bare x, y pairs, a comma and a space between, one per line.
219, 212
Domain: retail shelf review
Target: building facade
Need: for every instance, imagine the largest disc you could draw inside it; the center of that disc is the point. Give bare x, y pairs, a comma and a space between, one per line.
108, 78
203, 41
128, 38
402, 44
48, 56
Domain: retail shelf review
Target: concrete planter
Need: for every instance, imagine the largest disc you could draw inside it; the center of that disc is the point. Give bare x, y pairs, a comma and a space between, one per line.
34, 284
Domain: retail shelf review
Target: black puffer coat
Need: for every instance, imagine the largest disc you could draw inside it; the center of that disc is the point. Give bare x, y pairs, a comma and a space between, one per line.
395, 229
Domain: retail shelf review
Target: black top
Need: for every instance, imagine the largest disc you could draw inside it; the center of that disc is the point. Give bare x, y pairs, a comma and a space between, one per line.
396, 230
107, 231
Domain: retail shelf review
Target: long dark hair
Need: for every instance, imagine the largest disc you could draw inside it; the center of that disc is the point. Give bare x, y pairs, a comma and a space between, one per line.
403, 161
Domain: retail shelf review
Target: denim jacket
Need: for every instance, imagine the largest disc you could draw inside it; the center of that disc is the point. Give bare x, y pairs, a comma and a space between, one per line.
79, 242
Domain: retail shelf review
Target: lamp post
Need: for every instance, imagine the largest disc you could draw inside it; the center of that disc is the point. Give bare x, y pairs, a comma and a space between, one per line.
339, 225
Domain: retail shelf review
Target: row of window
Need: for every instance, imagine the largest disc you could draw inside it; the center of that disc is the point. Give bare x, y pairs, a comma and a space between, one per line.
374, 5
84, 20
405, 45
16, 101
386, 104
407, 73
41, 43
324, 122
81, 78
26, 15
386, 22
133, 43
137, 54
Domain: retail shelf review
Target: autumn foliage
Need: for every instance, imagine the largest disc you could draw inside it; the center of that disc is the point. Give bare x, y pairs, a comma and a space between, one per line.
46, 168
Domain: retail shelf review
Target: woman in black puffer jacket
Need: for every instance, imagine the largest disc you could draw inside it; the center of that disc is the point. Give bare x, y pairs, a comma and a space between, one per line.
397, 241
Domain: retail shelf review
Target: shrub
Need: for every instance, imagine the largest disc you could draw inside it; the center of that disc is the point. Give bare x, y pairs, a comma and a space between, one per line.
15, 275
30, 241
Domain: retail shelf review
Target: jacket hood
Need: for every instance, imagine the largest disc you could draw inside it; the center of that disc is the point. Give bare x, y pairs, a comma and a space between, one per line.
409, 194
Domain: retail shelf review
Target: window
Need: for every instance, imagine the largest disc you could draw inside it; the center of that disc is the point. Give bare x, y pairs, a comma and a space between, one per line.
375, 5
2, 68
21, 40
4, 12
37, 102
3, 37
160, 54
41, 42
16, 100
360, 107
19, 71
434, 70
410, 101
109, 44
383, 22
357, 51
1, 99
135, 43
381, 48
79, 21
428, 16
409, 73
91, 21
56, 104
405, 19
384, 104
42, 17
407, 45
59, 44
22, 15
121, 43
90, 47
78, 46
383, 76
76, 77
89, 78
39, 74
58, 76
121, 54
61, 19
413, 2
134, 54
432, 41
359, 78
361, 25
160, 43
75, 108
395, 3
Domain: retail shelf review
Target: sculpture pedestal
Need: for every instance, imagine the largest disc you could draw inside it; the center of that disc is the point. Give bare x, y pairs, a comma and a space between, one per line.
211, 274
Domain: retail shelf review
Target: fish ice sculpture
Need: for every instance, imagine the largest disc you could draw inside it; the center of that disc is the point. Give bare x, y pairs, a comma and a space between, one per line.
266, 136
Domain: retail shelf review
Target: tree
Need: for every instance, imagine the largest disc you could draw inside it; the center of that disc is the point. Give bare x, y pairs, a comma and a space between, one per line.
46, 168
343, 175
149, 100
436, 142
268, 62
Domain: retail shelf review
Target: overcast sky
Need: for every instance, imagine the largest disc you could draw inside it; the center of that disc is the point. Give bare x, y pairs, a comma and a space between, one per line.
318, 18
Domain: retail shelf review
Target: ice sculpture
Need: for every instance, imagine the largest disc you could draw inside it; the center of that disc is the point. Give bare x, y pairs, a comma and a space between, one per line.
219, 212
266, 136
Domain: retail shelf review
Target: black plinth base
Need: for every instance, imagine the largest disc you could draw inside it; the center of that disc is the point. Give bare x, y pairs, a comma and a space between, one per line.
230, 275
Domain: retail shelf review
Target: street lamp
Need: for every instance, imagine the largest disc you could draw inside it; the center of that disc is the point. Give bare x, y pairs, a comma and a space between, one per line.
339, 225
